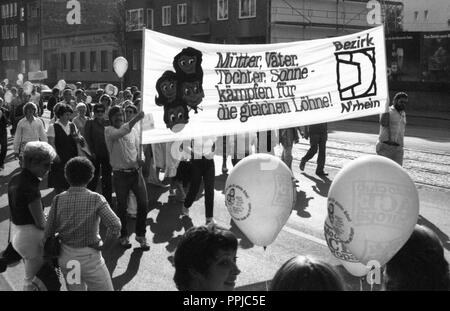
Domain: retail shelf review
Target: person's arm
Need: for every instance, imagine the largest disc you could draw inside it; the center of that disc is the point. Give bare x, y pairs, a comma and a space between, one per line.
88, 136
136, 119
36, 211
50, 226
41, 130
109, 219
51, 135
18, 138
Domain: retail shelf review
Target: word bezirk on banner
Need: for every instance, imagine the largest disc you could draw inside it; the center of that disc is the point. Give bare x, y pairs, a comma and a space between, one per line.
193, 89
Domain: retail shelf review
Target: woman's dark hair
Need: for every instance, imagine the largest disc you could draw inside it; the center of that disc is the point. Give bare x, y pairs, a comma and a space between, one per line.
419, 265
106, 97
303, 273
113, 111
79, 171
197, 250
62, 109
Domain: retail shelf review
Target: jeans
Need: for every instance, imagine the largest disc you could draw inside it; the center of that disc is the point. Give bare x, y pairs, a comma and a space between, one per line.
29, 243
103, 163
124, 182
3, 146
317, 142
84, 268
202, 169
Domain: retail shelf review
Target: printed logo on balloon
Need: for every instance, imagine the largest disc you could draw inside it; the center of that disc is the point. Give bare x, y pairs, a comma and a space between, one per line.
182, 90
238, 202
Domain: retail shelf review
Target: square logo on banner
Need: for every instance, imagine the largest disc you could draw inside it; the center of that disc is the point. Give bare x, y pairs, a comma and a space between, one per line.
356, 75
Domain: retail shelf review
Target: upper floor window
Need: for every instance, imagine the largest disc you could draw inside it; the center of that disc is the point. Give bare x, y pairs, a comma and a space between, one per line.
181, 13
104, 60
166, 15
33, 10
22, 39
72, 61
247, 8
425, 14
135, 19
22, 13
14, 10
222, 10
150, 18
416, 15
82, 61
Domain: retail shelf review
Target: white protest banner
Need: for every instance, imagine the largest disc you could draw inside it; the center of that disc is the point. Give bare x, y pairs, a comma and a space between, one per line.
193, 89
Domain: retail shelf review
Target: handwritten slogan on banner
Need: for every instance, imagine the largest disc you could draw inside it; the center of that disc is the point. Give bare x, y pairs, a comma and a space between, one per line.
193, 89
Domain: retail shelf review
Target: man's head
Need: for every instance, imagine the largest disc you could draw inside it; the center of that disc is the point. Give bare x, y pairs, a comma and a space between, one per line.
79, 171
127, 95
55, 92
79, 85
116, 117
37, 157
81, 109
400, 101
130, 112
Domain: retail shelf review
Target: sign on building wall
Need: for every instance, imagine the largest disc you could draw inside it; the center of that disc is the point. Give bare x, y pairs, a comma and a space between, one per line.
192, 89
74, 17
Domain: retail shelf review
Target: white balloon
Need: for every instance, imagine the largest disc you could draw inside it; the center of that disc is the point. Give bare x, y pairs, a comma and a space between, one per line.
8, 97
373, 206
28, 88
61, 85
259, 195
120, 65
340, 251
109, 89
88, 99
20, 77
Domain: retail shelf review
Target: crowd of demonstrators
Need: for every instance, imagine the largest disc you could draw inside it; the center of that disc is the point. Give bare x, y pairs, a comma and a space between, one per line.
95, 138
4, 114
26, 208
123, 145
202, 168
318, 135
392, 129
75, 215
63, 136
304, 273
205, 258
29, 128
419, 265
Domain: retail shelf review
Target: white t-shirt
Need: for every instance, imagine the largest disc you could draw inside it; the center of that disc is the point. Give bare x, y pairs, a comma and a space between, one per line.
66, 128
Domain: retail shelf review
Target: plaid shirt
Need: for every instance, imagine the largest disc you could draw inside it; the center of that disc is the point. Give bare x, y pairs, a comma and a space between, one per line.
78, 216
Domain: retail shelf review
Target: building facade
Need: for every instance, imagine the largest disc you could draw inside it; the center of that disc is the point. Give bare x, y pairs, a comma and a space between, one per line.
80, 40
12, 26
214, 21
421, 15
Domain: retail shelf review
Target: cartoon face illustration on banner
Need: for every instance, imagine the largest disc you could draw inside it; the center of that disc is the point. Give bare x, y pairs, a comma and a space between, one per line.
176, 115
166, 86
191, 93
188, 63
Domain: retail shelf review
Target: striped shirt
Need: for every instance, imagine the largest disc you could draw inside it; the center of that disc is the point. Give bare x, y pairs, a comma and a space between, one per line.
78, 216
